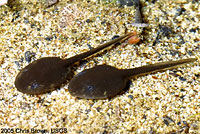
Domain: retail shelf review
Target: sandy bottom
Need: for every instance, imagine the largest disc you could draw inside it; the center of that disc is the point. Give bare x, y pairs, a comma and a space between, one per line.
162, 102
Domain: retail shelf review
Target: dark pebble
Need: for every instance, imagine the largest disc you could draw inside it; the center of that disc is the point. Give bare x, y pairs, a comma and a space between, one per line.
87, 111
148, 108
17, 63
105, 126
24, 29
90, 47
144, 116
48, 38
180, 11
41, 100
103, 22
88, 20
197, 75
179, 123
38, 29
157, 39
55, 36
98, 109
165, 31
181, 78
181, 40
105, 132
193, 30
130, 96
174, 52
80, 132
15, 16
33, 25
153, 1
167, 120
182, 97
28, 56
13, 19
21, 59
182, 90
190, 52
55, 10
74, 31
26, 21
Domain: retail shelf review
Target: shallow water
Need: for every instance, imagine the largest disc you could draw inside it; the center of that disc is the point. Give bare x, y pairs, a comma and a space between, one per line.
162, 103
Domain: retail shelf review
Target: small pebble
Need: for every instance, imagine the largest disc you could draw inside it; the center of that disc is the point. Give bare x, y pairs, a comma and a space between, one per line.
103, 22
26, 21
17, 63
182, 97
130, 96
180, 11
182, 90
167, 120
28, 56
181, 78
49, 3
165, 31
49, 38
193, 30
88, 21
90, 47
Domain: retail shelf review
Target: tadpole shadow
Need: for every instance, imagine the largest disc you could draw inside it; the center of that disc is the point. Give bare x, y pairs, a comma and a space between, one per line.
127, 87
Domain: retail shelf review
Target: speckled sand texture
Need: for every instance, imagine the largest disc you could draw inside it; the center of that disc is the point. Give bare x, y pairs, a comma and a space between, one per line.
163, 102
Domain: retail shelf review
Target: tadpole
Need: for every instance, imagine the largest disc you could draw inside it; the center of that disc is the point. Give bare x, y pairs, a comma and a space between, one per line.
105, 81
47, 73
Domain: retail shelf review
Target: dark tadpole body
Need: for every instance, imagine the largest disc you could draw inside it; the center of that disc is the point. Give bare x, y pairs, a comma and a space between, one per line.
47, 73
105, 81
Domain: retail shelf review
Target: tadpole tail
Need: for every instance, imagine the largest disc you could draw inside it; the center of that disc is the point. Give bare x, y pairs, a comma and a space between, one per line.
101, 47
156, 67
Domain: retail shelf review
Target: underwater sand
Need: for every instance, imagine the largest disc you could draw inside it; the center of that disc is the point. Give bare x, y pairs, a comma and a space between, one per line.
162, 102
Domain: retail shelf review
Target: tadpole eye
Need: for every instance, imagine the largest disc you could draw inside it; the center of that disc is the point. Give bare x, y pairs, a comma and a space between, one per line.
90, 88
34, 85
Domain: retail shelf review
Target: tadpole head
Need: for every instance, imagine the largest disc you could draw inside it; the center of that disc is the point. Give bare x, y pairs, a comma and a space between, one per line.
99, 82
42, 75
